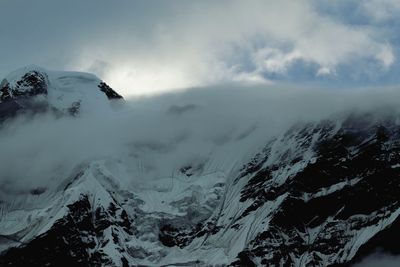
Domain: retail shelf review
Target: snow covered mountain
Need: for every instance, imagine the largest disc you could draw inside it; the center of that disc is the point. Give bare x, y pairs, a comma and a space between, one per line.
322, 193
35, 88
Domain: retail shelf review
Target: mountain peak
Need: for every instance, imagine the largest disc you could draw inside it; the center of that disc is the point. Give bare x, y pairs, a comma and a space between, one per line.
64, 91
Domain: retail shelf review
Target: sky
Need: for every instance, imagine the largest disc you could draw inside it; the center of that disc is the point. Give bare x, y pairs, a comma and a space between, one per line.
146, 47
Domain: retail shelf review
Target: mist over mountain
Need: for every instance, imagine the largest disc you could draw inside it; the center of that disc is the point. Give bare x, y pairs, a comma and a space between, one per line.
200, 133
215, 170
171, 129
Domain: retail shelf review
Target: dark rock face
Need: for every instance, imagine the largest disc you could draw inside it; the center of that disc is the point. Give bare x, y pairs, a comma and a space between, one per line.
171, 236
9, 109
110, 93
74, 109
322, 194
31, 84
5, 91
386, 241
16, 99
76, 239
353, 186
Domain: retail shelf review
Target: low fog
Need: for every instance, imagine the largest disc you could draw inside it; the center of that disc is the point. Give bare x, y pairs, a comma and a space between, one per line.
159, 135
379, 259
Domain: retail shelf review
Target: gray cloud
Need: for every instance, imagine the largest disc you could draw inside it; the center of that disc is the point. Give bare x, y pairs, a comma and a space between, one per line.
379, 260
42, 151
144, 46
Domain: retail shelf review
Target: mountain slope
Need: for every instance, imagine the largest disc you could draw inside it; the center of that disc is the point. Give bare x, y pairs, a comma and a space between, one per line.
333, 204
313, 196
322, 193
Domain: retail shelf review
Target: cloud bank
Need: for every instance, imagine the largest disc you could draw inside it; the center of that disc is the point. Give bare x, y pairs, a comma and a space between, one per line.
218, 126
140, 47
379, 259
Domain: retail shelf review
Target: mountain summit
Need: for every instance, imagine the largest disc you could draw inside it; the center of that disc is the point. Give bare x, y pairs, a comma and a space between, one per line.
33, 87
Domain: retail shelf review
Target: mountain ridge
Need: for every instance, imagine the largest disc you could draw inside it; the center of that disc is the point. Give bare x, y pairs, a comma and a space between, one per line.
321, 193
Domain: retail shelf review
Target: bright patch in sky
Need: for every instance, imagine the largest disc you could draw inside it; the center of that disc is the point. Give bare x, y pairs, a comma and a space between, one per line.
141, 81
140, 48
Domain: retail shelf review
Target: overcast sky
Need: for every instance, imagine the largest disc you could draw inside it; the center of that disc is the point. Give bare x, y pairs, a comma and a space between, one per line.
147, 46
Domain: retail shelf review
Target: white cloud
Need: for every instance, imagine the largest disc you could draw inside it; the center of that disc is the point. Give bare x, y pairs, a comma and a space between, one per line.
324, 71
381, 10
200, 46
163, 133
177, 44
386, 56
